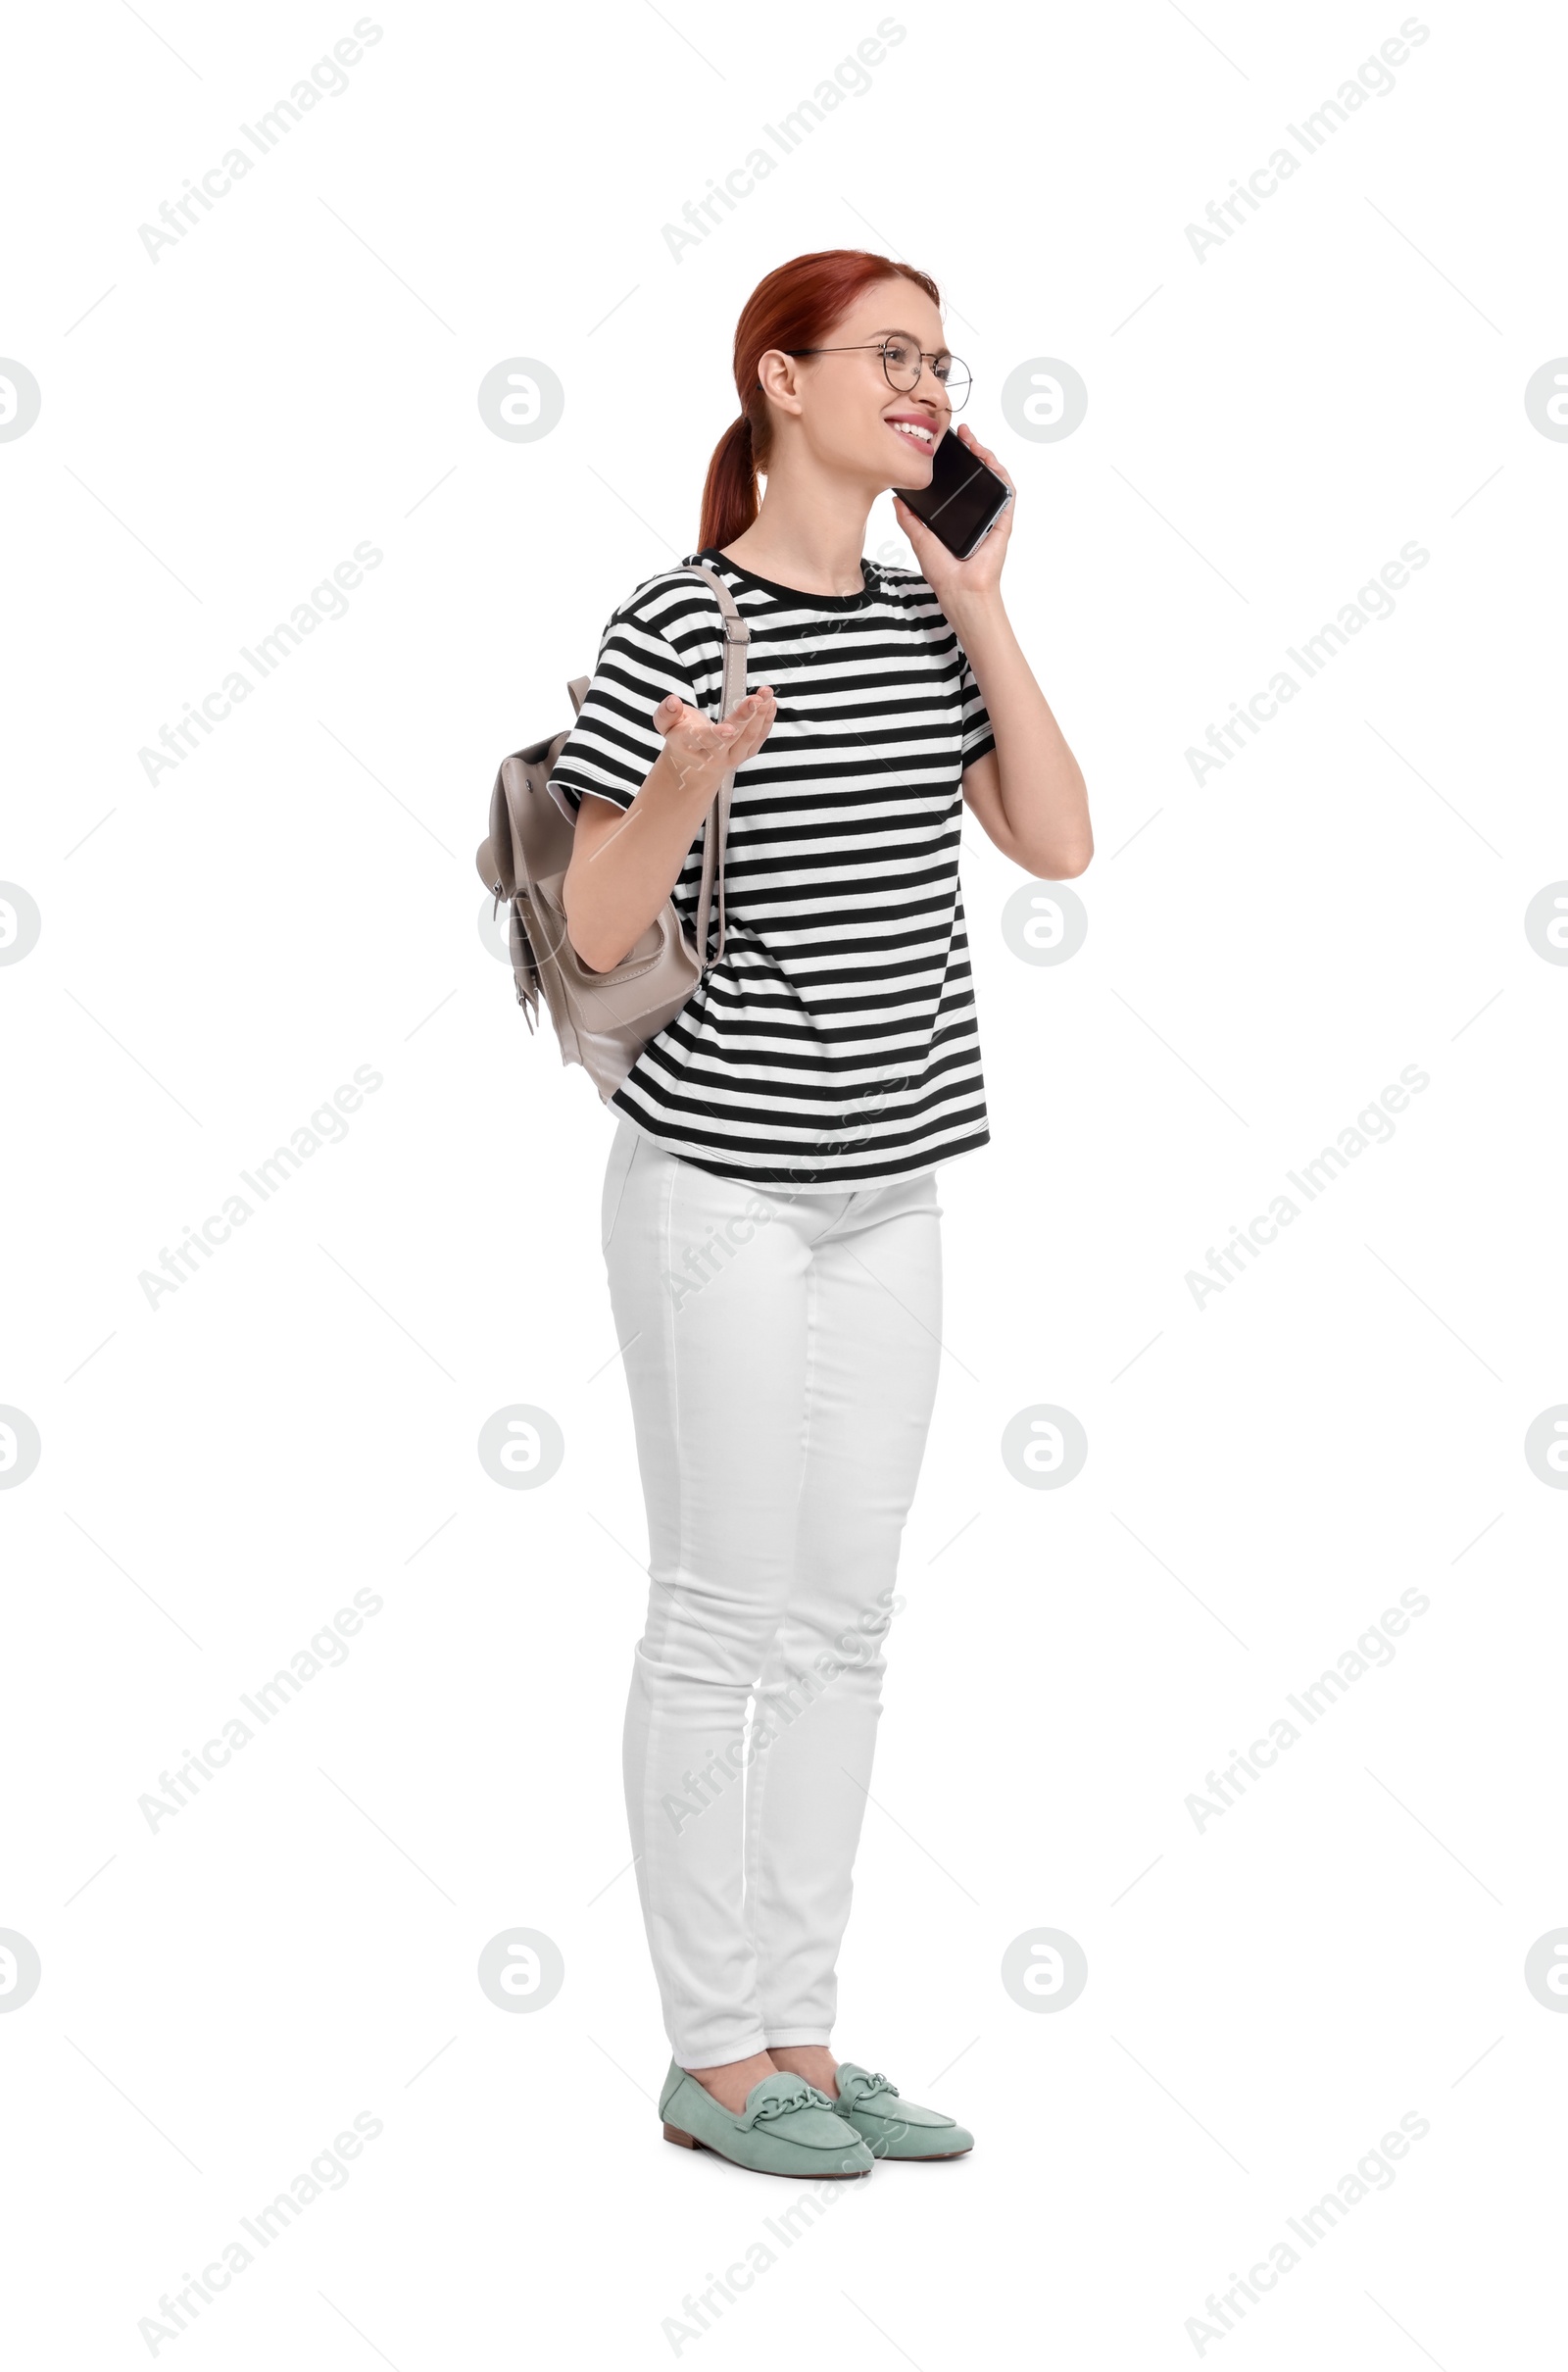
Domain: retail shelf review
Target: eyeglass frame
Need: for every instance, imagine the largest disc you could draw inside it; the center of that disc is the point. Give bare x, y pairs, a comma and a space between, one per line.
880, 346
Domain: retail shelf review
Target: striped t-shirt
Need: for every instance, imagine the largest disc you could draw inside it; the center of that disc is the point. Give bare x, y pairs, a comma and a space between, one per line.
834, 1044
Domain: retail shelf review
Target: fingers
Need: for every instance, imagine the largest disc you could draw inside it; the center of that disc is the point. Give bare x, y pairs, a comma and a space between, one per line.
984, 452
751, 718
697, 740
915, 528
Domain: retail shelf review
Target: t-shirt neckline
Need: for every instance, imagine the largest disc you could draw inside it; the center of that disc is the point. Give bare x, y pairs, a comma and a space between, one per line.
817, 600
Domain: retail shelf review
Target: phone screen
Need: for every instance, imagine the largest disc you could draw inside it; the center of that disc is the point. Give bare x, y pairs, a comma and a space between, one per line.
963, 497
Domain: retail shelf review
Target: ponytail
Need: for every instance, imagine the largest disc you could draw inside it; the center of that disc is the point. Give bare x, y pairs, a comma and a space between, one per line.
729, 496
796, 306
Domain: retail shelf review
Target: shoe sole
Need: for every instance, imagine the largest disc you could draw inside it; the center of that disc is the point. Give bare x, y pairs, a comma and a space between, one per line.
686, 2140
931, 2157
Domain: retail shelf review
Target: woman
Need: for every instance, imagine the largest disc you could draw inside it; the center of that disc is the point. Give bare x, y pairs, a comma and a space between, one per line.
770, 1216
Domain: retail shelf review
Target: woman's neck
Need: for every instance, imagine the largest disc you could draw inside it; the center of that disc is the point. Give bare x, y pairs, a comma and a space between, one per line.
808, 537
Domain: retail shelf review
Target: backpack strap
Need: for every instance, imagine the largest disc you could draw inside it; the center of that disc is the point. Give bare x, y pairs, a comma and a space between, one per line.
715, 823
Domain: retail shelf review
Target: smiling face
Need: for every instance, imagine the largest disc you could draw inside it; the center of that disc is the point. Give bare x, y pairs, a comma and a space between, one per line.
840, 410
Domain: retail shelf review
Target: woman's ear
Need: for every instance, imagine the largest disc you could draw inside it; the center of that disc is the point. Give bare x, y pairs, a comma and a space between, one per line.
778, 376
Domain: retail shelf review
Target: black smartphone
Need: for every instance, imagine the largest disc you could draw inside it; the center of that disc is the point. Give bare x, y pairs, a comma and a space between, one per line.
964, 499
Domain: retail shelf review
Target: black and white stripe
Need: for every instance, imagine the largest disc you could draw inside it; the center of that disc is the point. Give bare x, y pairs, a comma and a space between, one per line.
835, 1045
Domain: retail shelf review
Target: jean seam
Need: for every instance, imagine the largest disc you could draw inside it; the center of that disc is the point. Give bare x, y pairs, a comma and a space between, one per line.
620, 1192
755, 1893
683, 2013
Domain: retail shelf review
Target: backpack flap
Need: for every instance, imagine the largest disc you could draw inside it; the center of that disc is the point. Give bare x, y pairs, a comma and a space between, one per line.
540, 839
494, 857
602, 1019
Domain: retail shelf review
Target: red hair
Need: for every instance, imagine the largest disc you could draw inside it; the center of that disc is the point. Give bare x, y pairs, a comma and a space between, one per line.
798, 305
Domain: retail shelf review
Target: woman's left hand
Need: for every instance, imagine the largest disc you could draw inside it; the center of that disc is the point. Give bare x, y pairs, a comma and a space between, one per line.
948, 577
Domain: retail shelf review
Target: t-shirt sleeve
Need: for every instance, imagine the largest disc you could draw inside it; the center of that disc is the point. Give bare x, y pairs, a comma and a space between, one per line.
612, 748
978, 737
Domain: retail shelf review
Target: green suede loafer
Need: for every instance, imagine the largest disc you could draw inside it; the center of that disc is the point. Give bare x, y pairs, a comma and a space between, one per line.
787, 2127
892, 2127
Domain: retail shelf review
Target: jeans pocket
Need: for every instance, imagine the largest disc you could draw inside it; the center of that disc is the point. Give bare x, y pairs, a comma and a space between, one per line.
617, 1170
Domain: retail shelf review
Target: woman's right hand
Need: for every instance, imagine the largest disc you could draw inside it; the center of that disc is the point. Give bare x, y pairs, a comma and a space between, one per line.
699, 749
625, 863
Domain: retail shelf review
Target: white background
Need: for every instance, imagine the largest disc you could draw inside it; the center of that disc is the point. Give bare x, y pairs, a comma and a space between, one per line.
1267, 951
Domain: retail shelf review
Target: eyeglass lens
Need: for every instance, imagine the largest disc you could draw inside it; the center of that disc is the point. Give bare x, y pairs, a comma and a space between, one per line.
902, 358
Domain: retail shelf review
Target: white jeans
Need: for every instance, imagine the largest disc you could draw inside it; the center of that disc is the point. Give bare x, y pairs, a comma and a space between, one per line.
781, 1353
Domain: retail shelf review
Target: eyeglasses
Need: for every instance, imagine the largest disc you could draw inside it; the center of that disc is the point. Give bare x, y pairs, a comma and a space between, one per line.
901, 362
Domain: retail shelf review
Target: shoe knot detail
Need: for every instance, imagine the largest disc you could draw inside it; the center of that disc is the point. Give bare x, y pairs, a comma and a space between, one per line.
785, 2104
855, 2091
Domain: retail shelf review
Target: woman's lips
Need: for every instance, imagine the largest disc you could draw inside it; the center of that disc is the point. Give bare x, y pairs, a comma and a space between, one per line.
922, 435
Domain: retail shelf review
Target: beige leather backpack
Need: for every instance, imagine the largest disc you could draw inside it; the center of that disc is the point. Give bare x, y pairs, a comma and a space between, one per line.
602, 1019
